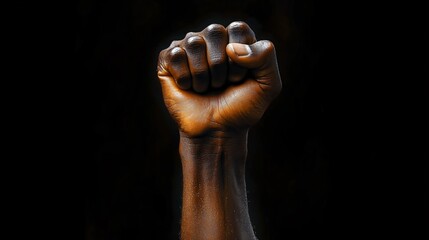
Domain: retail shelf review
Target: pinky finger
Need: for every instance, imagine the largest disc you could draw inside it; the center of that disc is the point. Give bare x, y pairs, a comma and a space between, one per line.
178, 68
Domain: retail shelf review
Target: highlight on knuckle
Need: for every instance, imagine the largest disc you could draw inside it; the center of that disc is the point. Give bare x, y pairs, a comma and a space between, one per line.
195, 43
215, 31
175, 43
190, 34
176, 55
239, 26
268, 45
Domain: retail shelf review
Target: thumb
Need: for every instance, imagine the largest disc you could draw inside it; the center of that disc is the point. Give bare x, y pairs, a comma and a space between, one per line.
259, 57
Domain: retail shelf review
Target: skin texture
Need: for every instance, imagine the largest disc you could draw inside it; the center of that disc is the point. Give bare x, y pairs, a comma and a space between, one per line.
216, 84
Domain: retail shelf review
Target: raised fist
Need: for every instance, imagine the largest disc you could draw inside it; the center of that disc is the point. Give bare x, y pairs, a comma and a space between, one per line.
219, 79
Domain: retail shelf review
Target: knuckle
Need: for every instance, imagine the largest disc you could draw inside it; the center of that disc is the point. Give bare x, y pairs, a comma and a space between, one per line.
241, 32
175, 43
176, 54
238, 26
268, 45
190, 34
215, 30
195, 43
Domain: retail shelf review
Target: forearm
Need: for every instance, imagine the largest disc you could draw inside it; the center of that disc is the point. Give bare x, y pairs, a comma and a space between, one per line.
214, 189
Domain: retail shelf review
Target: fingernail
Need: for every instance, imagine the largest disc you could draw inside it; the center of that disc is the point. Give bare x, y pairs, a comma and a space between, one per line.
241, 49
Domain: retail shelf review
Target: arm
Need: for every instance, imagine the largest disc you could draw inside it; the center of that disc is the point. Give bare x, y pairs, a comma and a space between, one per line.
214, 188
216, 84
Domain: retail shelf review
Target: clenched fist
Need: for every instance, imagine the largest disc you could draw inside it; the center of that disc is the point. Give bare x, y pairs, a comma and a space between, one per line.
219, 79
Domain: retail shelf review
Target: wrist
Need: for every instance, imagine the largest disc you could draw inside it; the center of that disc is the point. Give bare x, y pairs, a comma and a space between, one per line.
214, 189
225, 139
220, 133
212, 149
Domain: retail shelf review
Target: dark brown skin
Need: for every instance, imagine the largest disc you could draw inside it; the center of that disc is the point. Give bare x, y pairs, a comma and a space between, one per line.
216, 84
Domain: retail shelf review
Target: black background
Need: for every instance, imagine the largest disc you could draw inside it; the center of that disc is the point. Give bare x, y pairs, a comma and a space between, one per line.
326, 161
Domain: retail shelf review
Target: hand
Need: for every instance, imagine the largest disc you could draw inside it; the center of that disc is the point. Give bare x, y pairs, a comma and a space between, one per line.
219, 79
